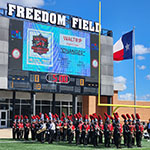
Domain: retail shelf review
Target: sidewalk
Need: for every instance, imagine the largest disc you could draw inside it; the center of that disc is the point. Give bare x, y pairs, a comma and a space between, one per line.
7, 133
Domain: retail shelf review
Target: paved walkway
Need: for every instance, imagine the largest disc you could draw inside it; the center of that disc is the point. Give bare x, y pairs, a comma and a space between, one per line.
7, 133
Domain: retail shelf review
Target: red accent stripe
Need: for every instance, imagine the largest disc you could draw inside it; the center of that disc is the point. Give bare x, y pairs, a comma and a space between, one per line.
118, 55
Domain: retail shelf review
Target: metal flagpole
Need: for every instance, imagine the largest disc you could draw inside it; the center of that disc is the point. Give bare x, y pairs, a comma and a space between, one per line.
134, 70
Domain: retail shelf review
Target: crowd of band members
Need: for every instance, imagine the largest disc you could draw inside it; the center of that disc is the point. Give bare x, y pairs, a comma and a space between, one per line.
86, 132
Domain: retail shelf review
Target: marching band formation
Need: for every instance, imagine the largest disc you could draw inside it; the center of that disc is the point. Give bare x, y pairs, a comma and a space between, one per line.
49, 128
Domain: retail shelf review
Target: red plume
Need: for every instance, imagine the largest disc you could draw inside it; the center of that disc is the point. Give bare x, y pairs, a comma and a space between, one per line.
25, 117
63, 114
15, 116
95, 115
124, 117
106, 115
71, 117
133, 117
56, 116
75, 116
137, 116
40, 114
117, 114
99, 117
91, 117
38, 117
111, 118
21, 117
86, 117
129, 117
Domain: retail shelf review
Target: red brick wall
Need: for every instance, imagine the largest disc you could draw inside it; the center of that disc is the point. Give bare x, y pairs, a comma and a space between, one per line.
143, 112
101, 109
89, 105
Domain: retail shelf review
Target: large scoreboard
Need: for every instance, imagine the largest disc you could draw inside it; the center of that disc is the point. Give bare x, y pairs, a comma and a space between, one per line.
54, 59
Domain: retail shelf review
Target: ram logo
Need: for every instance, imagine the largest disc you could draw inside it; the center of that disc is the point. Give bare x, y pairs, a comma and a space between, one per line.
40, 44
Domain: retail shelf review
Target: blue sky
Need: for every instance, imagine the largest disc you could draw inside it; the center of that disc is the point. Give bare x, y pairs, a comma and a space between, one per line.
119, 16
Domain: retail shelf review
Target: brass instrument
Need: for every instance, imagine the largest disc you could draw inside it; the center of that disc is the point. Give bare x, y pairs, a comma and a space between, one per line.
41, 130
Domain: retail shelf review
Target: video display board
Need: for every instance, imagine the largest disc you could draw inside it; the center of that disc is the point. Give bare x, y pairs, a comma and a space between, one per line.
52, 59
55, 50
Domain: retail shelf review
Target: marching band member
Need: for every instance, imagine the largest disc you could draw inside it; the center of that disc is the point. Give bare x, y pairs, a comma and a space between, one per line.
134, 133
51, 129
37, 126
58, 127
139, 131
125, 129
71, 129
85, 130
42, 128
78, 129
33, 128
19, 129
101, 132
47, 126
27, 126
14, 127
92, 131
129, 132
117, 131
107, 130
64, 125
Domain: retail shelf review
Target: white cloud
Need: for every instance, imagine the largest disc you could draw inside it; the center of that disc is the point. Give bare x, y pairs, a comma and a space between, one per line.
30, 3
140, 49
148, 77
122, 80
146, 97
127, 96
143, 67
140, 57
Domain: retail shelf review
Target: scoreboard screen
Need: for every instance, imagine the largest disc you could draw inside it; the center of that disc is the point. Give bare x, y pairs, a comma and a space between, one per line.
55, 50
46, 58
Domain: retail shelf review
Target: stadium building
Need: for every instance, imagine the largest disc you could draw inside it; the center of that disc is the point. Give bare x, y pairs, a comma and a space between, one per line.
46, 67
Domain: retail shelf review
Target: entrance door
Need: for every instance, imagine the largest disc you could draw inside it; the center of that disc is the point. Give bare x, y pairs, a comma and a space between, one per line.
3, 118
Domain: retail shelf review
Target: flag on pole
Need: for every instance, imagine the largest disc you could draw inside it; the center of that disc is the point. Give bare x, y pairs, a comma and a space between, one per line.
123, 47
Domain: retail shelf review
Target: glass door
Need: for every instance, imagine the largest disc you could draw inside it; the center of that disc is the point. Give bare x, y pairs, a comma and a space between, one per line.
3, 118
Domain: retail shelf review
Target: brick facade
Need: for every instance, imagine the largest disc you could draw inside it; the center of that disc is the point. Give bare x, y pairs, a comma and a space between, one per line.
89, 106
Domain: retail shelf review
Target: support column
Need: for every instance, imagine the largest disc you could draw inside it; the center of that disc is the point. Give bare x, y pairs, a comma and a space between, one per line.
74, 104
76, 101
109, 109
14, 97
89, 105
32, 108
53, 103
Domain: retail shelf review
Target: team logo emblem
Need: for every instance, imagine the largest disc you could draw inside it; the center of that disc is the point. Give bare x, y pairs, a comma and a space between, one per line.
95, 63
15, 34
40, 44
16, 53
94, 46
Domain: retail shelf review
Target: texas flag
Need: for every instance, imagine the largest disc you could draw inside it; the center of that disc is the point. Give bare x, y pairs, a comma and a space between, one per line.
123, 47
